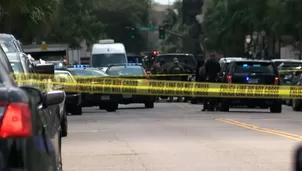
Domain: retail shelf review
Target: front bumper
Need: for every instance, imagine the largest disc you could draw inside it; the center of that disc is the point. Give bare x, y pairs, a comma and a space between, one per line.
128, 98
73, 99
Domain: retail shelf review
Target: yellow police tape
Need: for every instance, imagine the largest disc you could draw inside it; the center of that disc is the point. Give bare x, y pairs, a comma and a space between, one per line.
107, 85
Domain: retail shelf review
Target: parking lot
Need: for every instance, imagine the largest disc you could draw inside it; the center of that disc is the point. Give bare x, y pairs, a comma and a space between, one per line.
178, 136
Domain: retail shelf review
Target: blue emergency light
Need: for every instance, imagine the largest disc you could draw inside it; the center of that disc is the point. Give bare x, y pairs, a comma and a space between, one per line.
134, 64
256, 65
247, 78
245, 65
80, 66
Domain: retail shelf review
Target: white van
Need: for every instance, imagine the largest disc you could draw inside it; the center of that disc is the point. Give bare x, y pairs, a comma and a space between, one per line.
106, 53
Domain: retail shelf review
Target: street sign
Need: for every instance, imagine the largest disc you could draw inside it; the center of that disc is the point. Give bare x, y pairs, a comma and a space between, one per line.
150, 28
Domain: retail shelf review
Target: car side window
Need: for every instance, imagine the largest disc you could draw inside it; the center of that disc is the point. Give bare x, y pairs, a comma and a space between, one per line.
4, 61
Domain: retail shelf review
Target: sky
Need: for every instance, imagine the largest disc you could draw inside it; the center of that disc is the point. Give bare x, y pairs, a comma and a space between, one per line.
164, 1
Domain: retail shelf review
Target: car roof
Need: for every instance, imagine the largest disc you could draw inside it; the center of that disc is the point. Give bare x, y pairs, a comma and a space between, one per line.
125, 66
286, 60
174, 54
253, 60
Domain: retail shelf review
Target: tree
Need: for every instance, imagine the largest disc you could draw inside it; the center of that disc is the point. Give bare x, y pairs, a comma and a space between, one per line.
227, 22
118, 15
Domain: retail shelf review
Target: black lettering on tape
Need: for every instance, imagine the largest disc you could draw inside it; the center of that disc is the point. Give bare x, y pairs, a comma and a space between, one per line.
271, 91
116, 82
241, 90
133, 83
201, 89
295, 92
227, 90
180, 85
156, 91
170, 84
108, 81
250, 90
156, 84
129, 90
259, 91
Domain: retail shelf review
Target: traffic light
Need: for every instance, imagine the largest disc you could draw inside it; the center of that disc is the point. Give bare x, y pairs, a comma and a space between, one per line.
161, 32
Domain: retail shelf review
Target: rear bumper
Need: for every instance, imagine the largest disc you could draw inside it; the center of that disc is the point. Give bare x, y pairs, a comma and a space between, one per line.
252, 102
89, 100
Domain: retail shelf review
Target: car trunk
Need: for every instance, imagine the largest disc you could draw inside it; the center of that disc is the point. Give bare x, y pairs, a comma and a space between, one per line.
253, 78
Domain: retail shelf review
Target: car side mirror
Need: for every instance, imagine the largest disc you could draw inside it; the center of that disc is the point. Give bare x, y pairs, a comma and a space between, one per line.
54, 97
298, 159
33, 93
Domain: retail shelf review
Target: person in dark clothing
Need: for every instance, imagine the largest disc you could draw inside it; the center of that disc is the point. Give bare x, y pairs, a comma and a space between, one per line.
174, 70
212, 70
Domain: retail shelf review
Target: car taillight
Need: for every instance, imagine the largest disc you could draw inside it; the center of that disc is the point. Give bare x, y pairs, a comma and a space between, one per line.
148, 72
16, 121
276, 80
229, 79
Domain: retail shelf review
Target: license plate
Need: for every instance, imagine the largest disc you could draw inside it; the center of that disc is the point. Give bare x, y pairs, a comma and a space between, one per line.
105, 98
127, 96
253, 81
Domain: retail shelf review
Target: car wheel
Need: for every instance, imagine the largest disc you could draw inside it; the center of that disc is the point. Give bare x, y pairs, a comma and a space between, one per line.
149, 105
296, 106
194, 101
64, 126
77, 110
276, 108
224, 107
111, 107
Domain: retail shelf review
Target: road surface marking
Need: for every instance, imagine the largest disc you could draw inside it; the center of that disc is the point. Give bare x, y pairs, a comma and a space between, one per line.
261, 129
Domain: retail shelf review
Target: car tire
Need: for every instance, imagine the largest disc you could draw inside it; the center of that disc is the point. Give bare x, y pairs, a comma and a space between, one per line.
194, 101
149, 105
64, 126
224, 108
111, 107
276, 108
77, 110
295, 106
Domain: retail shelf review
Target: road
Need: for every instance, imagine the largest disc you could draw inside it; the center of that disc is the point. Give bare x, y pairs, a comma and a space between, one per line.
179, 137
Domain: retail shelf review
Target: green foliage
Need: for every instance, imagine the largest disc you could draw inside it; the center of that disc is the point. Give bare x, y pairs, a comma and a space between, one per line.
227, 22
71, 21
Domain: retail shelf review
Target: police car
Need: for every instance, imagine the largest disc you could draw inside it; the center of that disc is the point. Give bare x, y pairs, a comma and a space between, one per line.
251, 72
73, 99
131, 71
104, 101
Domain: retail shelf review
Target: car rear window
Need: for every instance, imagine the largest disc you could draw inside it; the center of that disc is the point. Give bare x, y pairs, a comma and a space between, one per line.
183, 59
254, 67
115, 71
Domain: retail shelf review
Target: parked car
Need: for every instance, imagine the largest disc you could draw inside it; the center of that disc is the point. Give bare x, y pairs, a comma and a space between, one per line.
29, 131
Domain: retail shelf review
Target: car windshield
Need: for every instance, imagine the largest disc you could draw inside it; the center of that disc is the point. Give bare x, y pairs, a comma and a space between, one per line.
17, 66
254, 67
8, 47
104, 60
135, 59
125, 71
183, 59
63, 77
87, 72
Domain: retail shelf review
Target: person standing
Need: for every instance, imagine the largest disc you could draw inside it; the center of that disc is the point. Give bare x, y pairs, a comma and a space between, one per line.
176, 70
212, 70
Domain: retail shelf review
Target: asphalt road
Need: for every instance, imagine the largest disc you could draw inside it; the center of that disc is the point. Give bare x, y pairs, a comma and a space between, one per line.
179, 137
